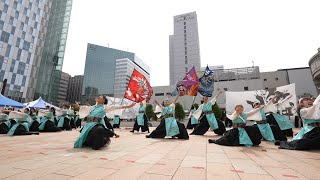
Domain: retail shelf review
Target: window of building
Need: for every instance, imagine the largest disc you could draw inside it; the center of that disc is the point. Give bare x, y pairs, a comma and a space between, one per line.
186, 70
27, 20
17, 15
1, 24
25, 11
11, 20
184, 23
185, 44
265, 79
185, 49
266, 88
185, 59
5, 8
13, 30
225, 89
185, 27
185, 31
21, 26
246, 88
23, 35
276, 79
159, 94
15, 4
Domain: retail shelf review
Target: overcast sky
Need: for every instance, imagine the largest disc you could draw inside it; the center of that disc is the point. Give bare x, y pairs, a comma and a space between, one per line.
274, 34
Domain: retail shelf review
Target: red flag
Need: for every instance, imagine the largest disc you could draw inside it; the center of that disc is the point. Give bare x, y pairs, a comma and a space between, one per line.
139, 88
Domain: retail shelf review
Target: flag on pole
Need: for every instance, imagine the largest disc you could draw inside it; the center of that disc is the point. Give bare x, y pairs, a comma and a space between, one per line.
139, 88
206, 83
189, 85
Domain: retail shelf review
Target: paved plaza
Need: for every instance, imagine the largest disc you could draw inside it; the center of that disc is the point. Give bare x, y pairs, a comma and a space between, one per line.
132, 156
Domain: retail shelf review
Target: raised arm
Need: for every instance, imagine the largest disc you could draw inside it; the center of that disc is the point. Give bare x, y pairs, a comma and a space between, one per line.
213, 100
176, 99
233, 116
317, 101
287, 98
125, 107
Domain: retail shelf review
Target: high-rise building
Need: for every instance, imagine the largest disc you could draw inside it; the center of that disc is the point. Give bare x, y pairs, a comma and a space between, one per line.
53, 53
103, 71
314, 64
184, 50
63, 88
23, 29
75, 89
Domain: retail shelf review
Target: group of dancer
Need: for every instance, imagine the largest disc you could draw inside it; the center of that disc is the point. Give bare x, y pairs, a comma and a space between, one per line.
32, 121
269, 123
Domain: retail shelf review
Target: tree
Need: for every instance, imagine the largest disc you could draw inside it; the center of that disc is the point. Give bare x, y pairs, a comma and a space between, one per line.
179, 112
217, 111
149, 111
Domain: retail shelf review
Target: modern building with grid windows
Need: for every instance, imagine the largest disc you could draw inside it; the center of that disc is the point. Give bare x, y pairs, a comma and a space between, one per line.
184, 49
107, 71
27, 28
23, 26
52, 58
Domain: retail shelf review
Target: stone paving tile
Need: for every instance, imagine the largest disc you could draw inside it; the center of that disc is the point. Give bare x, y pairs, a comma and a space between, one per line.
132, 156
165, 167
185, 173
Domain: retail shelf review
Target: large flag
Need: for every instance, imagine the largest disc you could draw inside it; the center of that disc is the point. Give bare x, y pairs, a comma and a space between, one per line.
206, 83
189, 85
139, 88
247, 98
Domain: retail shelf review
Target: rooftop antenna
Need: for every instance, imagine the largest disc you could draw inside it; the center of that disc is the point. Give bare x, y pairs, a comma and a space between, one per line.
252, 63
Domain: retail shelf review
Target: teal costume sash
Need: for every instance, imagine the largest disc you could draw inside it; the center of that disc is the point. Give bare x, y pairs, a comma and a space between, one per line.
116, 120
140, 117
306, 128
210, 117
172, 128
193, 119
84, 134
14, 127
283, 122
6, 117
266, 132
244, 138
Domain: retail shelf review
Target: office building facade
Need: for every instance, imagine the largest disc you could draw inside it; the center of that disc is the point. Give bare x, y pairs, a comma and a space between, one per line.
75, 88
184, 49
63, 88
314, 64
53, 53
100, 71
23, 27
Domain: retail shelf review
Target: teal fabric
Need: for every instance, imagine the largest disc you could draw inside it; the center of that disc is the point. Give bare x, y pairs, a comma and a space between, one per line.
61, 122
244, 138
238, 120
263, 114
303, 132
25, 125
283, 122
172, 128
210, 117
43, 123
76, 118
309, 121
116, 120
8, 123
4, 117
97, 111
84, 134
193, 119
140, 119
266, 132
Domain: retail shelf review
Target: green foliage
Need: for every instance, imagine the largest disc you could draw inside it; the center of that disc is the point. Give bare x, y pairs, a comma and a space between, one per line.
149, 111
179, 112
217, 111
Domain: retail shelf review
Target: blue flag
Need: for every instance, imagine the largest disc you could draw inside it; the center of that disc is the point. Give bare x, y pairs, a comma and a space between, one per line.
206, 83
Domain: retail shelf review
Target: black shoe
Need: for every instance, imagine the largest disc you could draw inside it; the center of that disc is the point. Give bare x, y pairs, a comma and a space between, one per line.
211, 141
277, 143
132, 131
148, 136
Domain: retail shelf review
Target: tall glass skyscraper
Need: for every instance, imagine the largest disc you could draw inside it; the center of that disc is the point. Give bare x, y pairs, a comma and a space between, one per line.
106, 69
53, 52
23, 27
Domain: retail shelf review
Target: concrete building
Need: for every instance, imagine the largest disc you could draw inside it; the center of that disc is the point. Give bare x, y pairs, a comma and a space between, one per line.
63, 88
23, 29
184, 50
302, 77
123, 72
75, 89
314, 65
53, 53
237, 79
112, 66
274, 79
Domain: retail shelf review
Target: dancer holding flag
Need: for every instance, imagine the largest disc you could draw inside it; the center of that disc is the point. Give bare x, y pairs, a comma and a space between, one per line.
140, 91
